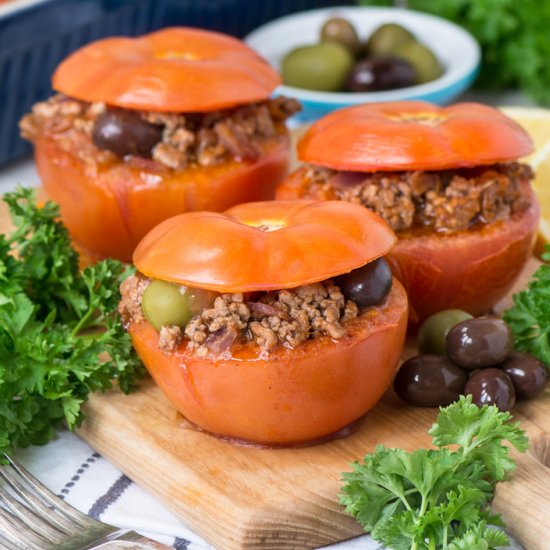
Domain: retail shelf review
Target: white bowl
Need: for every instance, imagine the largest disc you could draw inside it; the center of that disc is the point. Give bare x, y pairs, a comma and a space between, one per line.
456, 49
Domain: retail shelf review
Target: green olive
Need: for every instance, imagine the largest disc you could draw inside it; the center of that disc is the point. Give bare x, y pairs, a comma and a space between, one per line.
424, 62
433, 331
386, 38
341, 31
322, 67
164, 304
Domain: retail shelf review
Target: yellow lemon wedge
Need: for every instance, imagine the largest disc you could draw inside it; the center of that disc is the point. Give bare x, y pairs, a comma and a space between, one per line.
536, 121
541, 185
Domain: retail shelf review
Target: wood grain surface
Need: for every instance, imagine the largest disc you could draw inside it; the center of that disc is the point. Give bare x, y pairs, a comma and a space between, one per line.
287, 499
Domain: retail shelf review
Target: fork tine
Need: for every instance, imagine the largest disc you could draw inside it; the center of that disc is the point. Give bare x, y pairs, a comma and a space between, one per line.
27, 493
31, 519
17, 531
69, 515
34, 518
9, 544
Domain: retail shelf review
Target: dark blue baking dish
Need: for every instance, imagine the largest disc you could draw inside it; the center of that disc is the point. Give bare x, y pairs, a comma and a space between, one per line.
36, 36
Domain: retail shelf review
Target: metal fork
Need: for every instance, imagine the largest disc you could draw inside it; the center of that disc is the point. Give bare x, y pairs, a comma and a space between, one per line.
34, 518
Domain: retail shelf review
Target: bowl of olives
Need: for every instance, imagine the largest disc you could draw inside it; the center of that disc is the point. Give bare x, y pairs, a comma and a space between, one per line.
336, 57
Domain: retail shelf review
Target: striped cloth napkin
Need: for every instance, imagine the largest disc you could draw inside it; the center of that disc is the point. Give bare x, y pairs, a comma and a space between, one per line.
73, 470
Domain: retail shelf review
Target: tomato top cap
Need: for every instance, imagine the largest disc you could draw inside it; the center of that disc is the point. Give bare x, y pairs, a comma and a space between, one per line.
413, 135
264, 245
178, 69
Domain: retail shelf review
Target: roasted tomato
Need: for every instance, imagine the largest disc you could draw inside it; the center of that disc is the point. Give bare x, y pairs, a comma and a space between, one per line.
109, 211
146, 128
446, 181
284, 393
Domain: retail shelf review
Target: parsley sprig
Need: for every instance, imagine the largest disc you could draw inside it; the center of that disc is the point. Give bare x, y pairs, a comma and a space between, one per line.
529, 317
60, 335
438, 498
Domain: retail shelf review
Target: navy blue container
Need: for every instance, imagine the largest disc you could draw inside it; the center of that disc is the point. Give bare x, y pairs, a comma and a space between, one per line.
34, 40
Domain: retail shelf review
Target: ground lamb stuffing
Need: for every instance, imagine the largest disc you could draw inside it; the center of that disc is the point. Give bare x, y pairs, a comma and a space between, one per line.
286, 317
450, 200
129, 307
283, 317
188, 139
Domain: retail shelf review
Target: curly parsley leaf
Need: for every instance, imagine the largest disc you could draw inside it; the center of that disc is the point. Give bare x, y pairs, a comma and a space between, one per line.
438, 498
48, 265
60, 335
480, 537
529, 317
479, 433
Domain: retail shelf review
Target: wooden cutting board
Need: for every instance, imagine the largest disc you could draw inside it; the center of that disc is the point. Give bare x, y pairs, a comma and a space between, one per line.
247, 498
238, 497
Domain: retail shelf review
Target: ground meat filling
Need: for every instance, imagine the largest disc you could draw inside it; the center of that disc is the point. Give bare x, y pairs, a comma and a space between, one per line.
450, 200
187, 139
282, 317
129, 307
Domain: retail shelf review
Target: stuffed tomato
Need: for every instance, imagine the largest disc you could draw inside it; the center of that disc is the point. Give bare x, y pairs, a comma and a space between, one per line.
447, 181
142, 129
277, 323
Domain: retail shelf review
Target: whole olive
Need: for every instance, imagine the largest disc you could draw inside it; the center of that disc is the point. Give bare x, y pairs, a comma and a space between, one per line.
479, 343
125, 132
321, 67
368, 285
529, 375
429, 381
491, 387
424, 62
340, 30
433, 331
379, 73
164, 304
386, 38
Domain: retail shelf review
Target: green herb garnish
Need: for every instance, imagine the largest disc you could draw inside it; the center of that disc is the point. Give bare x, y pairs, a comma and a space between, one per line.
60, 335
437, 499
529, 318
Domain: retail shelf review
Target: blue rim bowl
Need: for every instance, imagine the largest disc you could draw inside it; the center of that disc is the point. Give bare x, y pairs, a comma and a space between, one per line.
457, 50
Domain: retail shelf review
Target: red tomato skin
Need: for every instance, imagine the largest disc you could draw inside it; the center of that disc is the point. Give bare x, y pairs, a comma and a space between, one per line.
413, 135
470, 270
304, 248
109, 210
178, 69
291, 396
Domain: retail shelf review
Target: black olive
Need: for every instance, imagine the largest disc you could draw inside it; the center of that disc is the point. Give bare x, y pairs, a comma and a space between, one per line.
429, 381
479, 343
528, 374
125, 132
432, 334
367, 285
491, 387
380, 73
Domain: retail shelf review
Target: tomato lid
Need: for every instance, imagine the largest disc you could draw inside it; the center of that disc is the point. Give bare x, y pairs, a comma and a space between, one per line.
413, 135
178, 69
264, 245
